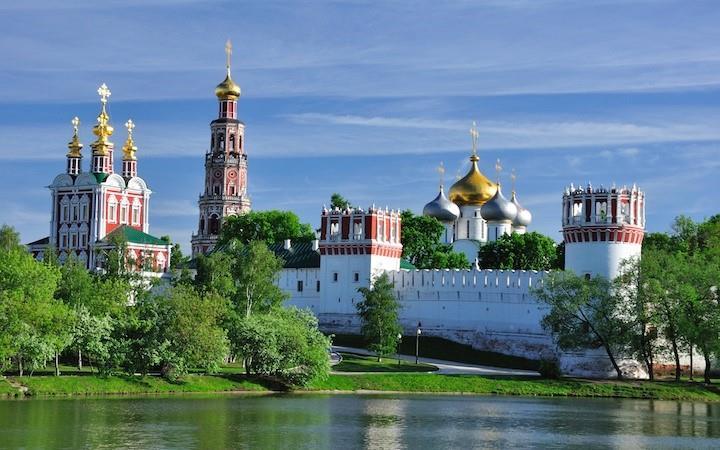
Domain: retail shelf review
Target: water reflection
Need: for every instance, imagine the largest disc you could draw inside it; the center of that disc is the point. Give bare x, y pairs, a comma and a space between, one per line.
352, 421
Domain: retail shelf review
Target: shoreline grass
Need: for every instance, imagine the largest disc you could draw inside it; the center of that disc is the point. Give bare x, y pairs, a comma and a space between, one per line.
420, 383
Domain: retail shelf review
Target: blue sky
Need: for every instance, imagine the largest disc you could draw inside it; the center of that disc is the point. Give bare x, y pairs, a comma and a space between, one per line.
366, 98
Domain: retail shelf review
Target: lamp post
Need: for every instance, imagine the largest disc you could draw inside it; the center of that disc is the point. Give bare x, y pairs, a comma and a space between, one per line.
397, 348
417, 345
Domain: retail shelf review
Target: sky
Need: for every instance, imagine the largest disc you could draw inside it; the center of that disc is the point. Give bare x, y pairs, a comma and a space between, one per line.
366, 98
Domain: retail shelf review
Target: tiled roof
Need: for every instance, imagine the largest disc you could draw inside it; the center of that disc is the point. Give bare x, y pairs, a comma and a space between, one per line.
43, 241
300, 255
134, 236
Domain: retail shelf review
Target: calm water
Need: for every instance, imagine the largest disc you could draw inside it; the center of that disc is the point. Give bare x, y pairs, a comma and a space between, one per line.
353, 421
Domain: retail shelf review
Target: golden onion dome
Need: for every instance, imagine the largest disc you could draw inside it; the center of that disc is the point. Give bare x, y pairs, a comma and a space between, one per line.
228, 89
472, 189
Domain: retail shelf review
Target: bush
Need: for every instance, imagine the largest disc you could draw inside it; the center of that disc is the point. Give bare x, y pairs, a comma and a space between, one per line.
550, 368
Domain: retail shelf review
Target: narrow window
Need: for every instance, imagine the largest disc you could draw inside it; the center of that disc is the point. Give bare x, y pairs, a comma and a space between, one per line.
317, 286
356, 277
335, 277
299, 286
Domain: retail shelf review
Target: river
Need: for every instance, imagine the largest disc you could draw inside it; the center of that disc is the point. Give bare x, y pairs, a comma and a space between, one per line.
356, 421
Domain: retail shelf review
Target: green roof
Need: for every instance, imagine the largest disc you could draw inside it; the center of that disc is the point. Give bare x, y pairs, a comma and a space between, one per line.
134, 236
407, 265
300, 255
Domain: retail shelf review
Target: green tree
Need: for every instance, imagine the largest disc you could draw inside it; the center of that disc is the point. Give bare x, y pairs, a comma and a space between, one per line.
637, 292
583, 314
379, 311
91, 337
269, 226
529, 251
9, 238
284, 344
178, 261
339, 202
420, 237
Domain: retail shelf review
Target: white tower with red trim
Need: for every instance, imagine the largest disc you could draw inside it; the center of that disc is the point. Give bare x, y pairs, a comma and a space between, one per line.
225, 192
601, 228
355, 247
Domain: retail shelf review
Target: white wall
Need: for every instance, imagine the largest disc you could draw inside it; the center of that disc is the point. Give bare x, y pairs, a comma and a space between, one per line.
598, 258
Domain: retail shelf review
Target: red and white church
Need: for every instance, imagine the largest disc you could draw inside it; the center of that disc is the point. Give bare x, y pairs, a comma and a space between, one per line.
91, 211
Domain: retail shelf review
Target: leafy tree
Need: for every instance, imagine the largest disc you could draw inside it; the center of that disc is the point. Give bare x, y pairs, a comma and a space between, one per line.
422, 247
379, 312
637, 293
91, 337
9, 238
529, 251
177, 259
284, 344
269, 226
583, 314
339, 202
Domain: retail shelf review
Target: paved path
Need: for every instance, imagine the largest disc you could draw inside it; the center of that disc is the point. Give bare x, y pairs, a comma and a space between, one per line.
448, 367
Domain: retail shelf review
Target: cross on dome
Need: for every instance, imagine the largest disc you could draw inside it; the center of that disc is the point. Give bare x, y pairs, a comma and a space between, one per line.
441, 171
513, 177
475, 135
498, 169
228, 53
130, 125
104, 92
75, 123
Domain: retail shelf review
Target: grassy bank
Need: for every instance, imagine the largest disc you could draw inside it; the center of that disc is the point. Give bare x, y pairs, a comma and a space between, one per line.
473, 384
398, 382
439, 348
358, 363
97, 385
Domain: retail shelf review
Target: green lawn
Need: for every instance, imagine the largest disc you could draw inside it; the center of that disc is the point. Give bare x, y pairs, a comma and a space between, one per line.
6, 390
473, 384
96, 385
439, 348
358, 363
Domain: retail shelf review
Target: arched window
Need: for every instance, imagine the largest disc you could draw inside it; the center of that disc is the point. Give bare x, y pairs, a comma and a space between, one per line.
221, 139
232, 143
214, 224
202, 225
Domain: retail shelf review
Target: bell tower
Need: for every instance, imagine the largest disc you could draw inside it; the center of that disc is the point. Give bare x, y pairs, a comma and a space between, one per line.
225, 193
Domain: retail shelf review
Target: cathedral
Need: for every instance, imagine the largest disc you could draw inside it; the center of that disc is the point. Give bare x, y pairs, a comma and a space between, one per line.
91, 210
477, 211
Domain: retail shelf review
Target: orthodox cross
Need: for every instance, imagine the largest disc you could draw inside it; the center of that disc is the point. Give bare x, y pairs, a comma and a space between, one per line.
104, 93
513, 177
474, 134
75, 123
498, 168
228, 53
130, 125
441, 171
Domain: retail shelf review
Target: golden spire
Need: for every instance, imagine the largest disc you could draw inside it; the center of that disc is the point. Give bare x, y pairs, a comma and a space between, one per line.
228, 89
129, 148
441, 172
474, 135
103, 130
498, 169
74, 145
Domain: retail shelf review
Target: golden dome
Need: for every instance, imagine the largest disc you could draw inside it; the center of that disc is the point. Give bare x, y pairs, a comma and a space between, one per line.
472, 189
228, 89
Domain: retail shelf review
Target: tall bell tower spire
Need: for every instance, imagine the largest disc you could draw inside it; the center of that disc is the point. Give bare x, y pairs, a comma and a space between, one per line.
102, 148
225, 193
74, 156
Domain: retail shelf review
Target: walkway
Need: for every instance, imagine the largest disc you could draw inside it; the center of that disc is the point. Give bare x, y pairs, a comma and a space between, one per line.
449, 367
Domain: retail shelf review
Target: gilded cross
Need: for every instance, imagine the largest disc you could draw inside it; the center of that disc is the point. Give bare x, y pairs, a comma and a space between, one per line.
130, 125
228, 53
474, 134
75, 123
104, 93
498, 168
513, 177
441, 171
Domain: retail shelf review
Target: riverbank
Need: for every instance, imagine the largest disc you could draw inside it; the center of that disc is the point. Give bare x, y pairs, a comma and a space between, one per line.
69, 385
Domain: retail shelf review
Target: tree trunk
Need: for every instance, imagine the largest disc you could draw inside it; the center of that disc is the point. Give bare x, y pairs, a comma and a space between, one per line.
649, 367
691, 363
57, 364
614, 363
706, 373
676, 354
80, 360
20, 366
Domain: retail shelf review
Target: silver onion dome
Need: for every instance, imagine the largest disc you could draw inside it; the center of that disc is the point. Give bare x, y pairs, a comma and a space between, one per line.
442, 209
523, 217
498, 208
